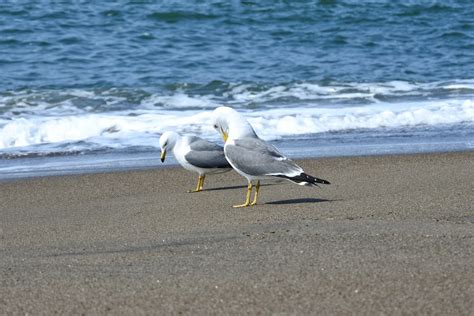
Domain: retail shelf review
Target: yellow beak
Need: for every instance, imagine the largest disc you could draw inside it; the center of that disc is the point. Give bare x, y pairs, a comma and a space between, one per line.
224, 135
163, 155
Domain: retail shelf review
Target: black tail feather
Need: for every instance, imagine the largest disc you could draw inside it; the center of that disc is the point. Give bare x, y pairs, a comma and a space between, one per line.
305, 179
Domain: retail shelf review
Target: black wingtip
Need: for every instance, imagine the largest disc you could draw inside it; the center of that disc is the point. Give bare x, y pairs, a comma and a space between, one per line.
306, 179
322, 181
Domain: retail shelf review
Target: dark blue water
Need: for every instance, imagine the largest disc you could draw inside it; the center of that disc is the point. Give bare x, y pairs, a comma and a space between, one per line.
144, 44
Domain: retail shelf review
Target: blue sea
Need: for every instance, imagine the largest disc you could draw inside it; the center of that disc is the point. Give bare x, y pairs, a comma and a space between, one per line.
90, 86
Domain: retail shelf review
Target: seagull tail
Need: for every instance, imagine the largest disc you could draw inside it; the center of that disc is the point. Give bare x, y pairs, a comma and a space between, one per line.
305, 179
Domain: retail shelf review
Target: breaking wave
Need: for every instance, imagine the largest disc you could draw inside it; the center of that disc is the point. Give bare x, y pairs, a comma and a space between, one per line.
80, 120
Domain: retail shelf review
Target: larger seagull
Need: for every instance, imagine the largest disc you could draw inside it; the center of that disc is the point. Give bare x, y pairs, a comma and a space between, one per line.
252, 157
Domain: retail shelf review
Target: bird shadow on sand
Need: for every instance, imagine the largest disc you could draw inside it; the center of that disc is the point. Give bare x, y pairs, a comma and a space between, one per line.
299, 201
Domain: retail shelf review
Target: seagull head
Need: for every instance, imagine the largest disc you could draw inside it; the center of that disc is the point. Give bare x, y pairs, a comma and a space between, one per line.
231, 124
167, 142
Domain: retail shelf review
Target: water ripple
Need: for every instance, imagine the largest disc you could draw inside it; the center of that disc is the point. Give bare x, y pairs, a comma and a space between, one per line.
136, 43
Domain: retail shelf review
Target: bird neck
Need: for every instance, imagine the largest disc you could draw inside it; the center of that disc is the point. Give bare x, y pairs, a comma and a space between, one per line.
174, 142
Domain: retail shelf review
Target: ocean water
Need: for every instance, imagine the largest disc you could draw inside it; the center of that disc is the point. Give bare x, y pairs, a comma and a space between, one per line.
90, 86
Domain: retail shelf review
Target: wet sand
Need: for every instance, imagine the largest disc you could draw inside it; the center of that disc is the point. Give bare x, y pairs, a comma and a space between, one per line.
392, 234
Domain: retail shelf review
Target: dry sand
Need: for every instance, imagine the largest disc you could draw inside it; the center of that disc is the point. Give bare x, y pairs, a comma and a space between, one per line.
392, 234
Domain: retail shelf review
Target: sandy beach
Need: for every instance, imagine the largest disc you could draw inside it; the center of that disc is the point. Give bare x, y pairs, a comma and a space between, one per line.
391, 235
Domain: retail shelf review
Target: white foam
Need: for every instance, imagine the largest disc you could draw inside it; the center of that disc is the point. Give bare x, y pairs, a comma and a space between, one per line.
54, 117
122, 129
178, 101
277, 123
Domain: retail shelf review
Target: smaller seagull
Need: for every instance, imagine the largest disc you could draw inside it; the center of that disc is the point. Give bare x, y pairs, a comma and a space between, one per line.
252, 157
195, 154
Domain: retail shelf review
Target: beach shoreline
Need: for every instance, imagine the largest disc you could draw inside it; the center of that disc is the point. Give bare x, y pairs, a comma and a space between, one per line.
391, 234
297, 149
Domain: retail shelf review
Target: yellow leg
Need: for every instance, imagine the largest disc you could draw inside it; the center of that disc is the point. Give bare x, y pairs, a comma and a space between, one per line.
202, 182
255, 197
199, 185
247, 200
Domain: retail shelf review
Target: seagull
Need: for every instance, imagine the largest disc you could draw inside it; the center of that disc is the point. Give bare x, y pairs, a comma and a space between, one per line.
194, 154
254, 158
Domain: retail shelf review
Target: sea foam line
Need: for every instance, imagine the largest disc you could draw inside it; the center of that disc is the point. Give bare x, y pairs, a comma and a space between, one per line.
123, 128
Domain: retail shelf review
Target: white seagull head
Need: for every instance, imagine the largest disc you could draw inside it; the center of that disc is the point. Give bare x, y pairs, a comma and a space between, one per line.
167, 142
231, 124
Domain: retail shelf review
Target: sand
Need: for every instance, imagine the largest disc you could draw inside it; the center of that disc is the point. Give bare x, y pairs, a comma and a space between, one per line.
392, 234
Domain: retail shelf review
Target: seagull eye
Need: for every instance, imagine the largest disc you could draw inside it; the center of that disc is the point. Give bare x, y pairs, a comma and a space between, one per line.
215, 126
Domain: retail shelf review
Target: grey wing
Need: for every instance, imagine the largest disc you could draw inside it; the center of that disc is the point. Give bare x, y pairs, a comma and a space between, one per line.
199, 144
204, 154
255, 157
